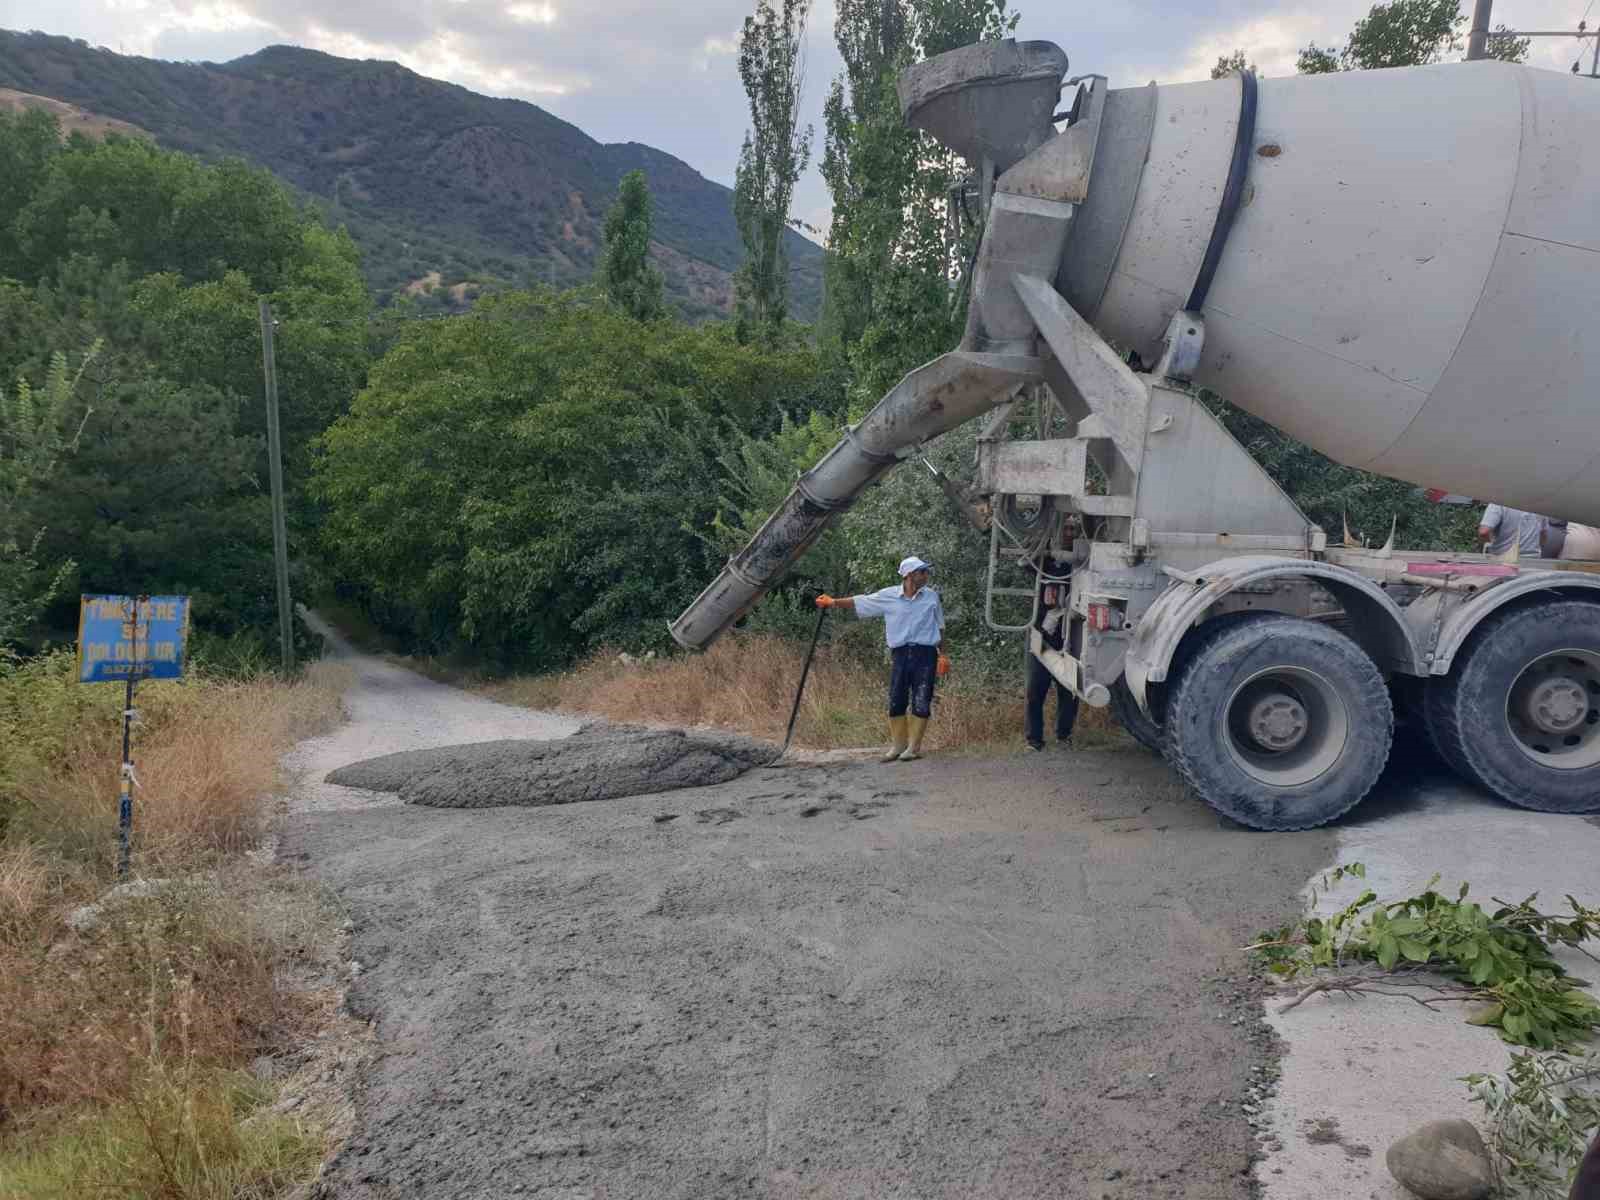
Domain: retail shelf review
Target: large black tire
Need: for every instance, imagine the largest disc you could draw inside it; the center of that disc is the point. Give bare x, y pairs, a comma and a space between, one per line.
1128, 714
1519, 713
1278, 722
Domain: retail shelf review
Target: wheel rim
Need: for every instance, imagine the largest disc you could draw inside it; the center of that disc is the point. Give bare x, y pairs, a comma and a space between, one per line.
1285, 726
1553, 710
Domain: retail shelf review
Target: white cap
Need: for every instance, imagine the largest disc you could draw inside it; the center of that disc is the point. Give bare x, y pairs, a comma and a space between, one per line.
908, 565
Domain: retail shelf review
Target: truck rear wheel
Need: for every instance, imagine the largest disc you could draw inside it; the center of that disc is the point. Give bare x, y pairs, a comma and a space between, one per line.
1519, 713
1128, 714
1278, 722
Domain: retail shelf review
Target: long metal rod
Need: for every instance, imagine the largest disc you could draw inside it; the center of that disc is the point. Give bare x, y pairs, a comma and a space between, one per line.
805, 673
138, 607
280, 535
125, 792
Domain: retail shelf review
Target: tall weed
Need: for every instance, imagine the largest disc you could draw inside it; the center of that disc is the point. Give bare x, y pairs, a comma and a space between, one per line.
205, 754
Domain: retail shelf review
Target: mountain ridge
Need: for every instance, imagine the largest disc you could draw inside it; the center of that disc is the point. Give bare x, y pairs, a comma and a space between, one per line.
427, 175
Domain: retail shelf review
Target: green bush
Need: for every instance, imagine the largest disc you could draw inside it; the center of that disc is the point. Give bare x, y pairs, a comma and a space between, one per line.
543, 476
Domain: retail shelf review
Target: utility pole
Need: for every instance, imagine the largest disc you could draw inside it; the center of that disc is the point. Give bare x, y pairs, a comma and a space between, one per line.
280, 535
1478, 39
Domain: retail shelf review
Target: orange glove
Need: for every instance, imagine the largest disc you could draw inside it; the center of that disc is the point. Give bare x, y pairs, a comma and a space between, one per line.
825, 601
944, 666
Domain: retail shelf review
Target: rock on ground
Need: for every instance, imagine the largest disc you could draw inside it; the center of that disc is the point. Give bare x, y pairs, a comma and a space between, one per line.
600, 762
1444, 1160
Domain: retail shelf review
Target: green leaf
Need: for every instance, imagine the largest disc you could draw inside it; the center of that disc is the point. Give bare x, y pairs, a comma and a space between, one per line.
1482, 968
1489, 1015
1413, 949
1462, 894
1388, 951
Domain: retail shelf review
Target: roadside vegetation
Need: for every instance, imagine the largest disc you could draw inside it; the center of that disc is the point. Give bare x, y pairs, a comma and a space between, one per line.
130, 461
1500, 964
746, 683
127, 1028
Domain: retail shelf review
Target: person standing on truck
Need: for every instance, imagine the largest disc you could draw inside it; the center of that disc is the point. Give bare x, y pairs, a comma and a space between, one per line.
1503, 527
1040, 679
913, 624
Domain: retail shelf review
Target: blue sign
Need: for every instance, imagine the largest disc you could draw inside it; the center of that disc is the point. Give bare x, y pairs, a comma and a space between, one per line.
123, 637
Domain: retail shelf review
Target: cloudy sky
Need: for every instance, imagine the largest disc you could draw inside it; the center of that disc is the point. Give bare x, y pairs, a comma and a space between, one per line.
664, 72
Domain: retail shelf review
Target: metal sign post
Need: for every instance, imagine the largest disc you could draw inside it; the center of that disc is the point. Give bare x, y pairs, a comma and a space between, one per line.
126, 639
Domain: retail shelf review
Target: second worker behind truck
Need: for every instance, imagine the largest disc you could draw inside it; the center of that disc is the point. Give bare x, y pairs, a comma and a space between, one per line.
1040, 680
913, 623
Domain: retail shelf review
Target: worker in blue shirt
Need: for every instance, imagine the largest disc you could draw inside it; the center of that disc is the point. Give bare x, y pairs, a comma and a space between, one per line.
913, 623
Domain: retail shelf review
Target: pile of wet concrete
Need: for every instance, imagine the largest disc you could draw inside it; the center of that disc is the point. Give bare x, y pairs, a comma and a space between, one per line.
601, 761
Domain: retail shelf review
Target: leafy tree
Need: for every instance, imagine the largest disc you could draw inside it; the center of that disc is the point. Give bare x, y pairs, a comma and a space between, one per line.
943, 25
775, 153
1403, 33
28, 141
37, 427
540, 477
1333, 495
1229, 64
1317, 60
162, 260
159, 497
869, 160
894, 266
1507, 49
626, 271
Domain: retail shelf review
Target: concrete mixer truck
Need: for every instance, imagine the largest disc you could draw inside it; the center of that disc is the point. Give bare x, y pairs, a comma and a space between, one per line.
1400, 268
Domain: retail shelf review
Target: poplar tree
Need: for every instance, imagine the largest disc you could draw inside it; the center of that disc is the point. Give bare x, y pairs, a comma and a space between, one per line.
896, 293
776, 151
629, 277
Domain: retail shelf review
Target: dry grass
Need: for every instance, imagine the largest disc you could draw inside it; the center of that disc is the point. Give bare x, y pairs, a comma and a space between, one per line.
205, 756
746, 683
121, 1044
188, 975
183, 1134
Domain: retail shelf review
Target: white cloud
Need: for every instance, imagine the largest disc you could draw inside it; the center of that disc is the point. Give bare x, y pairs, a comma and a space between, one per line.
530, 14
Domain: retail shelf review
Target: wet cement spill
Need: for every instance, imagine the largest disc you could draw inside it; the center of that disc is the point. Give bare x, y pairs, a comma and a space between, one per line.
600, 762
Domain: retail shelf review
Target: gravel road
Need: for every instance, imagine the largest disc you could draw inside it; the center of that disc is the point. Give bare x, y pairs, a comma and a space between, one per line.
951, 978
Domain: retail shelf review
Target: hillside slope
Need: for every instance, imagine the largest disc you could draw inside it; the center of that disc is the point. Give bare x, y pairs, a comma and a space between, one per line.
70, 117
428, 176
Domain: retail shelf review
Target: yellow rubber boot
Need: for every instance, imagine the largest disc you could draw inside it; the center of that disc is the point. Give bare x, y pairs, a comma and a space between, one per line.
897, 734
917, 727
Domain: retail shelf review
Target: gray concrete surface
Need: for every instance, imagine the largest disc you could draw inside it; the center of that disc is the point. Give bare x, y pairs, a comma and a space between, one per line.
1358, 1074
949, 978
391, 709
601, 761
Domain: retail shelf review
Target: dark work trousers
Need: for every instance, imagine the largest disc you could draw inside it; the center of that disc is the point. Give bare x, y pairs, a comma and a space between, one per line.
911, 680
1039, 681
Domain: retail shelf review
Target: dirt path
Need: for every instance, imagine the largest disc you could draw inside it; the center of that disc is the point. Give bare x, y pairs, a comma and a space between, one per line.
950, 978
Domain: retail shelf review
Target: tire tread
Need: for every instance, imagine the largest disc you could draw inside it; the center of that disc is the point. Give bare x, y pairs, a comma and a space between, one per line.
1461, 723
1373, 700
